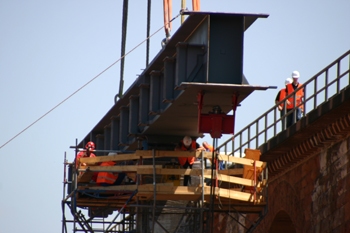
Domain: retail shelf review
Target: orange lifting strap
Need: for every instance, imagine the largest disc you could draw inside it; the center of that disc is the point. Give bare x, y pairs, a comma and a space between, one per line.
196, 5
167, 13
167, 16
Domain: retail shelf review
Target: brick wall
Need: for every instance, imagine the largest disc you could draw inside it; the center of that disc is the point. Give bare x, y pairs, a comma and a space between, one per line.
314, 195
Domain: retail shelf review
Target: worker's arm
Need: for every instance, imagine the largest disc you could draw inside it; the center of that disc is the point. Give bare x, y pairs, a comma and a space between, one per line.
279, 106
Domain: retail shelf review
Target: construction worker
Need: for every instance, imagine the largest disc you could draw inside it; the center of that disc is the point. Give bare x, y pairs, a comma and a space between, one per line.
299, 97
90, 146
280, 96
210, 148
109, 178
187, 144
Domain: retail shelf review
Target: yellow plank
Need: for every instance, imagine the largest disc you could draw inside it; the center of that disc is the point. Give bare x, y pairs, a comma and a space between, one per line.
240, 196
166, 171
171, 189
85, 177
235, 180
129, 168
113, 187
233, 172
144, 153
243, 161
115, 158
132, 187
161, 154
171, 171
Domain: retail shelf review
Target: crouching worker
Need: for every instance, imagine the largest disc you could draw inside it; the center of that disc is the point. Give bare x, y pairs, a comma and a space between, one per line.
187, 145
109, 178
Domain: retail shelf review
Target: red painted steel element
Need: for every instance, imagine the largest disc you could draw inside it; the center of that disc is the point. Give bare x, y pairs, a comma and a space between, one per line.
216, 123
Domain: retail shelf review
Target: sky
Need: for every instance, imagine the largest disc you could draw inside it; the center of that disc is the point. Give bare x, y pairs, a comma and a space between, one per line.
50, 49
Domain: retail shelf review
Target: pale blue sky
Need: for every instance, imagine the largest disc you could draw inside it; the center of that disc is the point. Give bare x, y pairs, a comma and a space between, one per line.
49, 49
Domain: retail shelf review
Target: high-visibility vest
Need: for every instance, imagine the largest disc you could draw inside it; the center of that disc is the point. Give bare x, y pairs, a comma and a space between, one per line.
211, 149
182, 160
299, 95
107, 177
83, 154
282, 96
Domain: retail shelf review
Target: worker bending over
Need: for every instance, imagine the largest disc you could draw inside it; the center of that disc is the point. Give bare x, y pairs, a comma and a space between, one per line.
187, 144
109, 178
210, 148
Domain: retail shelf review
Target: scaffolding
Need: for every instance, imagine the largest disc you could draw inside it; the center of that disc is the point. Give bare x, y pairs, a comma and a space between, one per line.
155, 201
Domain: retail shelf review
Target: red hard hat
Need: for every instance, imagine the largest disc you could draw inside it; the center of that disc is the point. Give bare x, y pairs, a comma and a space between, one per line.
90, 145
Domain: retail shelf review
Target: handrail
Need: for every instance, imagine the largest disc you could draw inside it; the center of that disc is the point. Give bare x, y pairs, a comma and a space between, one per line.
311, 100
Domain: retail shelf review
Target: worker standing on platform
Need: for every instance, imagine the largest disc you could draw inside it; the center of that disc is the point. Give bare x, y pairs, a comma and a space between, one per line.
280, 96
299, 97
90, 146
187, 144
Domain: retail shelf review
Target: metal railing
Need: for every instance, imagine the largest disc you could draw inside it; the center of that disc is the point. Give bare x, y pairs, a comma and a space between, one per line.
317, 90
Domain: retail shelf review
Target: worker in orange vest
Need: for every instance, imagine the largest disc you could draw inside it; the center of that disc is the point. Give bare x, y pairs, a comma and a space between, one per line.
281, 95
109, 178
106, 178
298, 99
90, 146
187, 144
210, 148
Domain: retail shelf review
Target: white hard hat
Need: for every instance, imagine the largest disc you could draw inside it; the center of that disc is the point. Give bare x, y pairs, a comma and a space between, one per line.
288, 80
295, 74
187, 140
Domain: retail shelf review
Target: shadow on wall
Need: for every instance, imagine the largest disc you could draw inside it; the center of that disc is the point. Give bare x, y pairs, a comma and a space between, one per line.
282, 223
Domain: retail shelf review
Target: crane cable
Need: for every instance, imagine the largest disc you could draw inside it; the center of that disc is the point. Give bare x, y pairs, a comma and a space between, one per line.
123, 44
85, 84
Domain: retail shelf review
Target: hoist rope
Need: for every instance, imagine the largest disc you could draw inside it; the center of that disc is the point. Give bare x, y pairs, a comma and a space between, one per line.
85, 85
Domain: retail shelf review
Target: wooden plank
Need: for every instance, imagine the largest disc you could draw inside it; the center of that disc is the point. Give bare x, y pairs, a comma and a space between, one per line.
135, 156
193, 172
248, 171
241, 196
162, 154
235, 180
243, 161
233, 172
132, 187
171, 171
123, 168
176, 197
85, 177
115, 158
171, 189
113, 188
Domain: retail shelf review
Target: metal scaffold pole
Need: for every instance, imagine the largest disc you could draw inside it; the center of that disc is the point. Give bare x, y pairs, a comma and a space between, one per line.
64, 226
202, 202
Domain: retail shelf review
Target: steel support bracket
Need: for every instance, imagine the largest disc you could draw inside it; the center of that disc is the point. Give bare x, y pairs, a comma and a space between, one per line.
216, 123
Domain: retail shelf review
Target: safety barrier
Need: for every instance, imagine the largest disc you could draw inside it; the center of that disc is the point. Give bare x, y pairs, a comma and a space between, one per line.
320, 88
